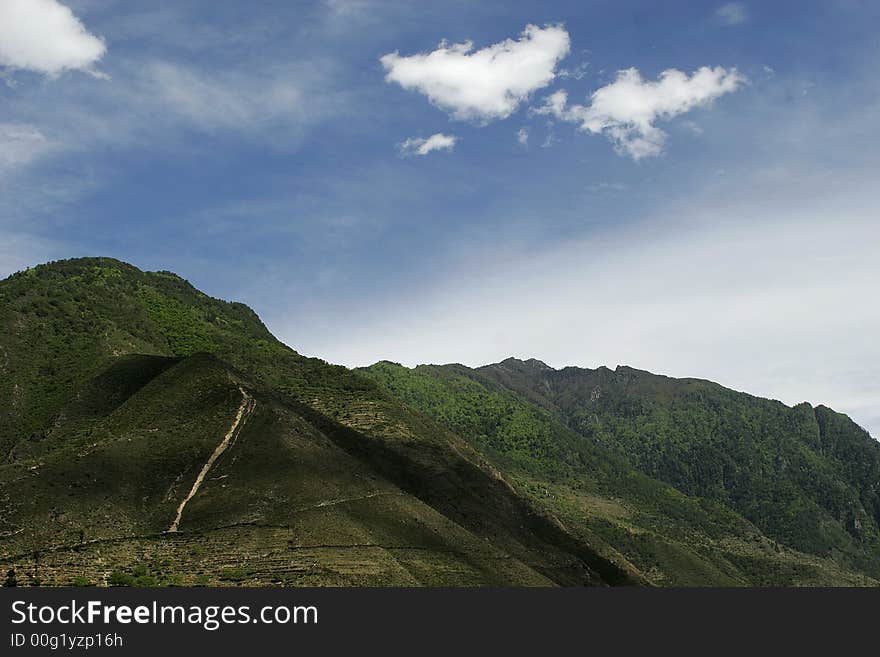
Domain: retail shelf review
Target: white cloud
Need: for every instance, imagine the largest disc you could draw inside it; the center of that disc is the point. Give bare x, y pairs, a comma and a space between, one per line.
45, 36
732, 13
522, 136
485, 84
625, 110
20, 144
421, 146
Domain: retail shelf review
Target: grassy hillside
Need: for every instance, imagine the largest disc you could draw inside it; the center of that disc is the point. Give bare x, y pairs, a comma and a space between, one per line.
99, 505
122, 384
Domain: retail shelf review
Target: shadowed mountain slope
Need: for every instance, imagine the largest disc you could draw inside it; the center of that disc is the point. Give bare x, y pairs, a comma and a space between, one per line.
131, 398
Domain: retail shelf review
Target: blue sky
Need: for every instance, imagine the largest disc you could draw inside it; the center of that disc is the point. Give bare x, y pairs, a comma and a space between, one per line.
721, 224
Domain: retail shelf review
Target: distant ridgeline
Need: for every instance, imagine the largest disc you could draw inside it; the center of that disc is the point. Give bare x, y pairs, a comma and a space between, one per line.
807, 478
150, 435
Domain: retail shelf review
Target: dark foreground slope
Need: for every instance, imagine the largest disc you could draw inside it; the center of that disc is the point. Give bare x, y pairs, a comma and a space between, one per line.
152, 434
763, 493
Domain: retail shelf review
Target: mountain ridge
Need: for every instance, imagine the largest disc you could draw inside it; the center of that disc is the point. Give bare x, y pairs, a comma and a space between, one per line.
122, 383
628, 368
746, 452
109, 477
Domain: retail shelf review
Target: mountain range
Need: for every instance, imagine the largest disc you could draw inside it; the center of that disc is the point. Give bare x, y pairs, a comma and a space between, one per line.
153, 435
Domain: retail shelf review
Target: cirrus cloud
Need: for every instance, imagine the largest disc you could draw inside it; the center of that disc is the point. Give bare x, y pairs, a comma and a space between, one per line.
485, 84
46, 37
423, 146
626, 110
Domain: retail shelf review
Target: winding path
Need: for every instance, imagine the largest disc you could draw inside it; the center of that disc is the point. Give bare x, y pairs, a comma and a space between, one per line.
248, 404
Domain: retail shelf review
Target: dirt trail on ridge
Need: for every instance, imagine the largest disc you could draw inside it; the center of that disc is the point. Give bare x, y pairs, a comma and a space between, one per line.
248, 404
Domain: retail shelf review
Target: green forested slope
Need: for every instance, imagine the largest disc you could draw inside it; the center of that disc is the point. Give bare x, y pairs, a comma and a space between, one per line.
807, 479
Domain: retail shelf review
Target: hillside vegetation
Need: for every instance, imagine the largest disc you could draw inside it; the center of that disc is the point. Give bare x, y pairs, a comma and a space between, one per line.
120, 386
806, 479
131, 398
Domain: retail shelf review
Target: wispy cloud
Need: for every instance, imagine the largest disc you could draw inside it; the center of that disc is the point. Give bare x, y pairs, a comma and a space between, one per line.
485, 84
347, 7
20, 143
626, 110
423, 146
44, 36
732, 13
151, 101
232, 100
576, 73
750, 298
692, 127
606, 186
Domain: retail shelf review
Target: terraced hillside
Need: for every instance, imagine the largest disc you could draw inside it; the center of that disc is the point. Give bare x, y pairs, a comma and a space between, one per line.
122, 387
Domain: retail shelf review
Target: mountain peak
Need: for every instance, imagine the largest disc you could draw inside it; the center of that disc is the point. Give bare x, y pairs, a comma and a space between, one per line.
531, 364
